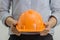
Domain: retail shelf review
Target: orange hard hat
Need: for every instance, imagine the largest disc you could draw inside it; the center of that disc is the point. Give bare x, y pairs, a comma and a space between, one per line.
30, 21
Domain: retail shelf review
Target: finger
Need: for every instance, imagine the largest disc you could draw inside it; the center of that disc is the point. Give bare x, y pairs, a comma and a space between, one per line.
44, 34
14, 23
46, 23
14, 30
48, 28
46, 31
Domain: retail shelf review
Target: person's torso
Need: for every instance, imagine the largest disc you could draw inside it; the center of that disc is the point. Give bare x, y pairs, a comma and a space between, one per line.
41, 6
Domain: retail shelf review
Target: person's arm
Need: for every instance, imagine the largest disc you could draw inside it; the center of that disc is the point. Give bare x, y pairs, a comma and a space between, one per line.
6, 17
55, 8
4, 9
54, 19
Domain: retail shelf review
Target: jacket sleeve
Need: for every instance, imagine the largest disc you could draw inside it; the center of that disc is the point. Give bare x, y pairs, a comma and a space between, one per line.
4, 9
55, 8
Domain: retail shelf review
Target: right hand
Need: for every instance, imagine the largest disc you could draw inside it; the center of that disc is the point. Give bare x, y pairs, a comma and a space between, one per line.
12, 23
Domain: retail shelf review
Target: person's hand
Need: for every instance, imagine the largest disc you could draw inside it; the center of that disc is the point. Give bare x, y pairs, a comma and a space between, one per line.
47, 29
12, 23
50, 24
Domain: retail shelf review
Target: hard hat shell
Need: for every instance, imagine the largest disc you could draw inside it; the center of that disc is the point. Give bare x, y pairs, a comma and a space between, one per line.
30, 21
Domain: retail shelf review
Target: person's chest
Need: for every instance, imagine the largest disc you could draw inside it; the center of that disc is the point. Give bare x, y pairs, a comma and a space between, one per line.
31, 2
41, 6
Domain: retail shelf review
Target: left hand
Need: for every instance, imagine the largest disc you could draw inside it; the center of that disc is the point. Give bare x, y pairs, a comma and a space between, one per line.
47, 29
52, 22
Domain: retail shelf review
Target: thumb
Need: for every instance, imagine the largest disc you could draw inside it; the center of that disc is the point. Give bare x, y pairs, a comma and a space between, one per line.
14, 23
46, 27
